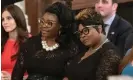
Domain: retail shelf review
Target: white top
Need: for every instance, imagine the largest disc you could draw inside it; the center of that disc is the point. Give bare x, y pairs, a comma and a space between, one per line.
109, 22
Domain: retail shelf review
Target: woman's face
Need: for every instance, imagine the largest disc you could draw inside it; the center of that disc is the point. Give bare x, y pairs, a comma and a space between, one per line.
89, 36
8, 22
49, 25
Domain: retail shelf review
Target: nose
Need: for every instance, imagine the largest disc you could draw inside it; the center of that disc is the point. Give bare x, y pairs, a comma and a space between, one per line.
46, 25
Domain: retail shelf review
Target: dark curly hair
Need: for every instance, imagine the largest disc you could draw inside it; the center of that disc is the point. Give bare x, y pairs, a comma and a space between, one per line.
65, 16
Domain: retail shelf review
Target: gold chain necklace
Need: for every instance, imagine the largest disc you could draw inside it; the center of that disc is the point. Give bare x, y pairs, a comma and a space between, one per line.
93, 51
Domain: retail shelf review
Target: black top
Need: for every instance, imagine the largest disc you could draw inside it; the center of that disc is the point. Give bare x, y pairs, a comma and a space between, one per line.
97, 66
40, 63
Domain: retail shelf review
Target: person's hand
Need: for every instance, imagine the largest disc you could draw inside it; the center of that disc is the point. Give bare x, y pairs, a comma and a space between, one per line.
65, 78
25, 77
5, 75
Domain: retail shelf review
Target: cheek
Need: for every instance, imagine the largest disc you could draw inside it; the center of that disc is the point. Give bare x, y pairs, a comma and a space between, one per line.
87, 39
10, 27
54, 31
13, 25
108, 8
91, 38
81, 39
96, 6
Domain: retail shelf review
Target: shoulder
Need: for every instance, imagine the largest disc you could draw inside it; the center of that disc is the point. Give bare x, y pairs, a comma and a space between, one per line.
123, 21
32, 40
112, 54
123, 24
109, 62
129, 41
128, 52
111, 51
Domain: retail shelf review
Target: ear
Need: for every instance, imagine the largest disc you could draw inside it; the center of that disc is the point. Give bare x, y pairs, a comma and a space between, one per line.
100, 29
115, 5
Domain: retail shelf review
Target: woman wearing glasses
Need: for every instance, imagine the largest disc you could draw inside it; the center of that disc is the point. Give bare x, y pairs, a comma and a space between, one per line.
101, 59
45, 56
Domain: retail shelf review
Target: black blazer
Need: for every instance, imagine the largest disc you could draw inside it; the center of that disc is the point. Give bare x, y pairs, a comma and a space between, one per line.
129, 42
119, 30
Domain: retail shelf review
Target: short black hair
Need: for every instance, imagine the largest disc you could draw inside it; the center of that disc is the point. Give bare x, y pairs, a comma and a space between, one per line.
113, 1
93, 18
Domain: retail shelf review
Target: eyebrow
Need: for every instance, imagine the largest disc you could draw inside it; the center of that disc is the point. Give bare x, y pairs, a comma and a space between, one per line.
82, 29
52, 20
49, 20
104, 0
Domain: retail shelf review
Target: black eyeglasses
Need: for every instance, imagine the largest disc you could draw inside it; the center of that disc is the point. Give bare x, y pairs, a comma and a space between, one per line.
48, 23
85, 30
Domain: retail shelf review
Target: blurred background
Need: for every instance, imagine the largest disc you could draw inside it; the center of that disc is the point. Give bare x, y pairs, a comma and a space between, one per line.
33, 9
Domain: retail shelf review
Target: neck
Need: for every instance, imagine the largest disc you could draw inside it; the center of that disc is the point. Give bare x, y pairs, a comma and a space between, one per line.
13, 35
108, 17
100, 42
50, 41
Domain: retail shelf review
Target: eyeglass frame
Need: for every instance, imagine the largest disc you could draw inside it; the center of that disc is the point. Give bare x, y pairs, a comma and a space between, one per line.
79, 33
46, 23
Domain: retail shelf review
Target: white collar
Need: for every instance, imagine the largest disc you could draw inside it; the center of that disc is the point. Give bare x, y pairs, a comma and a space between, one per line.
109, 20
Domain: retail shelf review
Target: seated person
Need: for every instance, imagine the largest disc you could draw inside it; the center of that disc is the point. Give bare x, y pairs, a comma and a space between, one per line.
101, 59
45, 56
14, 33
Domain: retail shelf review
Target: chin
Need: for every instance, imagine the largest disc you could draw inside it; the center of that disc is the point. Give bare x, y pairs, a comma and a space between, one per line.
87, 44
8, 30
45, 36
102, 13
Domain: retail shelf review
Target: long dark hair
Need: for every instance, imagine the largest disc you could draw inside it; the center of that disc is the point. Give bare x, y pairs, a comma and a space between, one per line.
21, 28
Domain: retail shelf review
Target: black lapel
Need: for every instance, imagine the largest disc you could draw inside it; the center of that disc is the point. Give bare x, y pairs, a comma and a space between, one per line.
113, 29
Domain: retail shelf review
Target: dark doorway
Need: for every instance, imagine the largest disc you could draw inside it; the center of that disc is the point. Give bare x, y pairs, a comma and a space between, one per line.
125, 10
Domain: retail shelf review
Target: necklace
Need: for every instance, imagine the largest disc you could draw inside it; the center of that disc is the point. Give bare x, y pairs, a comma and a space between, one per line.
47, 48
94, 50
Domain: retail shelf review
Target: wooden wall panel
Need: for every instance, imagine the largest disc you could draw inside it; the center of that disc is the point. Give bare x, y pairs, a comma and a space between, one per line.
34, 9
31, 11
79, 4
